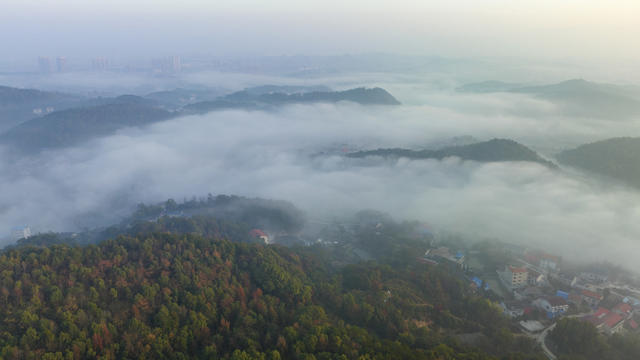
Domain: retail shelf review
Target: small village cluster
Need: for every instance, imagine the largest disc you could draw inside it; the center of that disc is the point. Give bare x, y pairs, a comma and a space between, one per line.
534, 290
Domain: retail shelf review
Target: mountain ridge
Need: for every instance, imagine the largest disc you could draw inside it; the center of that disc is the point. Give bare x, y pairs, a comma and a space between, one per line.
495, 150
615, 157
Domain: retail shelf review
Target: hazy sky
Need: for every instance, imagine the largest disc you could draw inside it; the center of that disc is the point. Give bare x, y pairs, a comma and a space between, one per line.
576, 29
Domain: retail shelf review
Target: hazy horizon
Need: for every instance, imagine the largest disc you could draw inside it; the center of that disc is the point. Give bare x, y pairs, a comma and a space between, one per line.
586, 31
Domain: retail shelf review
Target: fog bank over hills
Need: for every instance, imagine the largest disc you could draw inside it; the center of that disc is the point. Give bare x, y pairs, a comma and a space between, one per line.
615, 158
269, 154
575, 97
281, 133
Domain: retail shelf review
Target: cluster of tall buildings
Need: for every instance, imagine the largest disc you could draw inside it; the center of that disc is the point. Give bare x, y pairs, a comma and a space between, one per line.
99, 64
167, 65
46, 66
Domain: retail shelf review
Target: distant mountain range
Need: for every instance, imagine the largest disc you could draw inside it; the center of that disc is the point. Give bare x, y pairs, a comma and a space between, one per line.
496, 150
286, 89
19, 105
574, 97
618, 158
14, 96
73, 126
177, 98
87, 118
252, 100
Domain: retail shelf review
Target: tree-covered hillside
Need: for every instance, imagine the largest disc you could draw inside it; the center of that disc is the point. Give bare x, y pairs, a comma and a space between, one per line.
617, 158
171, 294
576, 97
579, 340
73, 126
10, 96
252, 99
19, 105
489, 151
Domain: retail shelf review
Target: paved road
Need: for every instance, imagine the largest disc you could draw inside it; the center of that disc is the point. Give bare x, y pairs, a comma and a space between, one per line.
541, 339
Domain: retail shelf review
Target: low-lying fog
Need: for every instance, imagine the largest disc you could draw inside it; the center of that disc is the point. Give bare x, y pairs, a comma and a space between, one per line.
271, 155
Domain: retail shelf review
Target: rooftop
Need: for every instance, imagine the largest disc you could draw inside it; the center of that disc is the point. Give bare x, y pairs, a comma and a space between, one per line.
591, 294
612, 319
257, 233
602, 312
550, 257
557, 301
624, 308
515, 269
598, 317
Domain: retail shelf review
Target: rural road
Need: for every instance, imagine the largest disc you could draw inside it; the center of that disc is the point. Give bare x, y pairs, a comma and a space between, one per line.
541, 339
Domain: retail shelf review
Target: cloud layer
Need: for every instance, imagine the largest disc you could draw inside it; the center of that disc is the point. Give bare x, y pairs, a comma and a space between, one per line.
270, 154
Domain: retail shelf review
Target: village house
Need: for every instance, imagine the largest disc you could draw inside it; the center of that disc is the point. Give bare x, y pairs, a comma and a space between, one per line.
623, 309
514, 277
549, 262
259, 234
593, 277
535, 278
443, 254
544, 261
592, 298
531, 293
512, 309
554, 306
606, 321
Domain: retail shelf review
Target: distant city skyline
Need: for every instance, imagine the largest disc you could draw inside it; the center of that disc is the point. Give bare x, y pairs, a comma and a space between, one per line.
586, 30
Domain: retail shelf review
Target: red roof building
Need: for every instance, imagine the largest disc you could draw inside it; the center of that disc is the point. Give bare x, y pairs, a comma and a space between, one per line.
259, 234
602, 312
612, 320
591, 294
623, 309
605, 320
597, 318
517, 269
591, 298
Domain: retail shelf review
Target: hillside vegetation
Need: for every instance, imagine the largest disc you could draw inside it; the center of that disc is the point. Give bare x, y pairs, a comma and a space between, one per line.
616, 158
495, 150
169, 293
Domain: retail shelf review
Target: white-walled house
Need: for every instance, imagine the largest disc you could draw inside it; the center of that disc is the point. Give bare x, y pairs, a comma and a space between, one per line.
20, 232
554, 306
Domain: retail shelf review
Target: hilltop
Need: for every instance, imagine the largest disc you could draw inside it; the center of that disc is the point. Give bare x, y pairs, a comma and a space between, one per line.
18, 105
577, 97
616, 158
103, 116
496, 150
170, 291
73, 126
256, 99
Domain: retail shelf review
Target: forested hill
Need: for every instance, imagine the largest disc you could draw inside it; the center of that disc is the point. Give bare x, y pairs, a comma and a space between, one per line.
495, 150
575, 97
251, 100
10, 96
84, 119
73, 126
19, 105
191, 216
617, 158
184, 296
